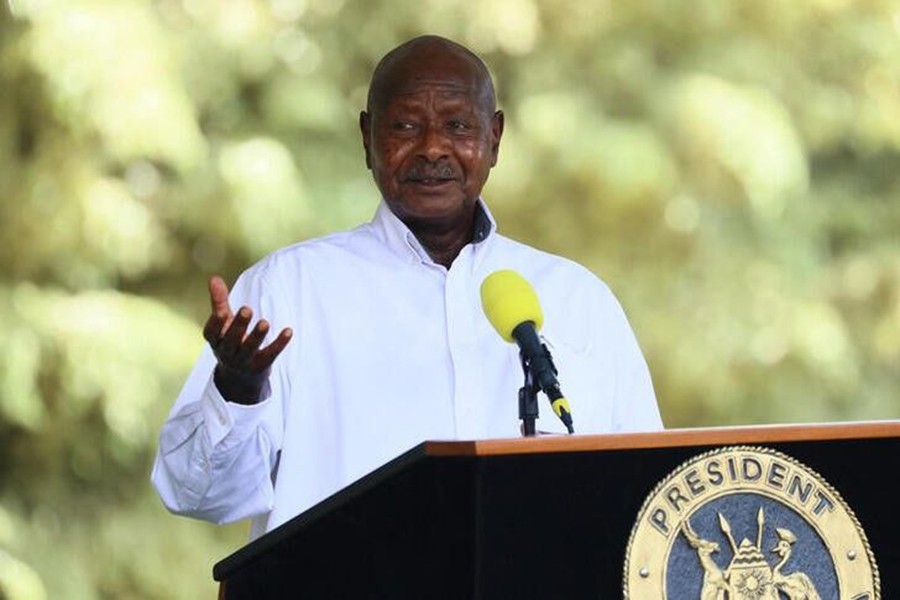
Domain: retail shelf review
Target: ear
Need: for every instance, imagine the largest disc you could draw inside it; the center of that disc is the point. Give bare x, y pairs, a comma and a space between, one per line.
365, 129
496, 134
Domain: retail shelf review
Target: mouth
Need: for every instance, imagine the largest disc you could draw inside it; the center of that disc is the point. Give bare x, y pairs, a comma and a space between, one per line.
430, 182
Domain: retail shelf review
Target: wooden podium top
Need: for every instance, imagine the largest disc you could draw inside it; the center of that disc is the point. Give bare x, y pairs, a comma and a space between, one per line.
757, 434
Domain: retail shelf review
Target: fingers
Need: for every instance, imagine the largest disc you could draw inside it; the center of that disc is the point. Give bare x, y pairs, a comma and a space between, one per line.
264, 358
240, 351
226, 333
246, 354
228, 347
255, 338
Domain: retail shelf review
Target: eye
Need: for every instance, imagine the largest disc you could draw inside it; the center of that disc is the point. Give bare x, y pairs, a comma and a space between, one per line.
457, 125
402, 126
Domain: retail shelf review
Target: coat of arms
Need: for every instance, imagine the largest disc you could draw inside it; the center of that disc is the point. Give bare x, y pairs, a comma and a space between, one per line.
748, 524
749, 576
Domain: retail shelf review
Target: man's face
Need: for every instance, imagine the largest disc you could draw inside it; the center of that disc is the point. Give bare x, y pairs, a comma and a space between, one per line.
431, 140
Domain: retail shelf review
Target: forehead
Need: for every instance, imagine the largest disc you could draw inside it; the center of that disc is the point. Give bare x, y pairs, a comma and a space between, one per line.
433, 92
442, 74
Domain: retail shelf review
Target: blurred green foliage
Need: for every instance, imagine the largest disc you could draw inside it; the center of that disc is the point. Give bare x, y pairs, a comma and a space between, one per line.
728, 166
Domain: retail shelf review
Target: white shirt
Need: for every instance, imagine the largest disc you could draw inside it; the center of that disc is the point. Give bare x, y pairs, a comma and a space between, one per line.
389, 349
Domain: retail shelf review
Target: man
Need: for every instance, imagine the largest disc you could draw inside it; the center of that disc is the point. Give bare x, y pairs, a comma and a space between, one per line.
382, 340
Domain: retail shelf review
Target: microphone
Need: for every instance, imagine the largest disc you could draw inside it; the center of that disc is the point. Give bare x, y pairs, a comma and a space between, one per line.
511, 305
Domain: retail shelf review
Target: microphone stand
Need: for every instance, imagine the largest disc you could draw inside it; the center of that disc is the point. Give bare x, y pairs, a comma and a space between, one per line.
528, 402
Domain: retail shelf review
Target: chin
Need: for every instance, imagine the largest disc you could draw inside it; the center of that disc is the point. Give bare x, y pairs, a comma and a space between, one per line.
425, 206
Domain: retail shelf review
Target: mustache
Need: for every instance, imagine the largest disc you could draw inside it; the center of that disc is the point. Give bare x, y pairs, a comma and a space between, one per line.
430, 172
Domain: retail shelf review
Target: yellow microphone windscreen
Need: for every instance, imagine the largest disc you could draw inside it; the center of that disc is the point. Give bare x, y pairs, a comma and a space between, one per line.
509, 300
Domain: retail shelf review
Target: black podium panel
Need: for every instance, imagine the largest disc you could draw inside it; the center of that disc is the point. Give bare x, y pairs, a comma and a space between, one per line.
518, 525
395, 534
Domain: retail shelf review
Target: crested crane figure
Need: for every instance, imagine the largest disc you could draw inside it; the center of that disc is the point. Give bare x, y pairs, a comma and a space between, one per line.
796, 586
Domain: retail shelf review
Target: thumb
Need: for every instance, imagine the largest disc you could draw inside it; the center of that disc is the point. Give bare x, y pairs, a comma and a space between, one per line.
218, 297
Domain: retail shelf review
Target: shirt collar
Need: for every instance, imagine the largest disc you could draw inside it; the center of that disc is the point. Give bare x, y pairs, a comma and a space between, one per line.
400, 240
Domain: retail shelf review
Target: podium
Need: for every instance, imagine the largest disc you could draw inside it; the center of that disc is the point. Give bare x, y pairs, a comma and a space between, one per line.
539, 518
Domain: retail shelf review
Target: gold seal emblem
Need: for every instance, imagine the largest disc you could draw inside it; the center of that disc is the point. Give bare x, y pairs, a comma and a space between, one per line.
743, 523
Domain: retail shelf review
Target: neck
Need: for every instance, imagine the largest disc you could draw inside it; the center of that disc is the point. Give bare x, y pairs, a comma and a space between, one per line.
780, 564
708, 564
444, 240
444, 247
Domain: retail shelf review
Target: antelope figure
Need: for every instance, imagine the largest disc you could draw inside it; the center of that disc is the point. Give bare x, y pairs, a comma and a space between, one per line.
715, 584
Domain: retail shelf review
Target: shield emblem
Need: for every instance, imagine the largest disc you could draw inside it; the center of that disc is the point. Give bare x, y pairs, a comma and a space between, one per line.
750, 576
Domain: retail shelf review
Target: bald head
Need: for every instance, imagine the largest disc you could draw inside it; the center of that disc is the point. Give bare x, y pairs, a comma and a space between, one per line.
420, 59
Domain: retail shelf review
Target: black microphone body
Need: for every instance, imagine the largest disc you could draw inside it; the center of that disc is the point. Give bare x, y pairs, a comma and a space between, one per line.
542, 368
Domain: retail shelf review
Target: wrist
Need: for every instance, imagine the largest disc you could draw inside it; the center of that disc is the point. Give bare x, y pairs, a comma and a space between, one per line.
239, 387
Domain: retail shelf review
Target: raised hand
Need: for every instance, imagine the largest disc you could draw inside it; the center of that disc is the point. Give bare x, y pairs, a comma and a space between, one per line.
243, 365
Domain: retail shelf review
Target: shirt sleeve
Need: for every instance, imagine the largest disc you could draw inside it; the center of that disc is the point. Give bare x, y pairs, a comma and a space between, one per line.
216, 459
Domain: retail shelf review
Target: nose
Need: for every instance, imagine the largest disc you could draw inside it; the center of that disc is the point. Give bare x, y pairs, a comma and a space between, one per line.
434, 144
